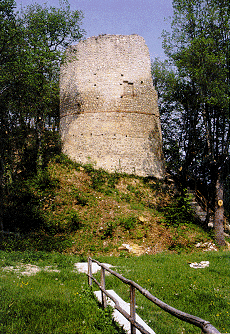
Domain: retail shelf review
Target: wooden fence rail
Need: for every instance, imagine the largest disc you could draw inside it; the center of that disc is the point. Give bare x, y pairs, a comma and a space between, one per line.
205, 326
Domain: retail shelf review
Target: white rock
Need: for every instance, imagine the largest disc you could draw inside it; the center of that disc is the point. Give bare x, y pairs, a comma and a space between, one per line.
202, 264
82, 267
207, 246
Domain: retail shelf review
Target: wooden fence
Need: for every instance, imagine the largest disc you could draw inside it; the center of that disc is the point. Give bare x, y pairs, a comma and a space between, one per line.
205, 326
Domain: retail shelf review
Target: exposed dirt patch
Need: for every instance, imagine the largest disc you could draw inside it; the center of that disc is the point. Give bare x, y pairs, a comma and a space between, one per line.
29, 269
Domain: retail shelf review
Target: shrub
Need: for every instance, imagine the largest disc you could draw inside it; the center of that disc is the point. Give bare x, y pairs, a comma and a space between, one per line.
179, 211
109, 230
128, 223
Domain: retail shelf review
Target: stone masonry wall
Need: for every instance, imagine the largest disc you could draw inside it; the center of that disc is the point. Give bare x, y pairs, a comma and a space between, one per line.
108, 108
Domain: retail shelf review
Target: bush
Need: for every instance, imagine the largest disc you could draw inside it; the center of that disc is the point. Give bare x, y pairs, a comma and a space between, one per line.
128, 223
110, 228
179, 211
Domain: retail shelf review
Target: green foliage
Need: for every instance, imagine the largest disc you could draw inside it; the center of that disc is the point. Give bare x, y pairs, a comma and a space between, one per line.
195, 96
98, 179
167, 82
26, 212
63, 159
39, 241
22, 209
61, 210
50, 302
101, 180
32, 46
65, 222
110, 228
179, 212
43, 182
81, 199
125, 197
129, 223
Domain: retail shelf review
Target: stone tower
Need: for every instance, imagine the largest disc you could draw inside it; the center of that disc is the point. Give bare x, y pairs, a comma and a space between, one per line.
108, 112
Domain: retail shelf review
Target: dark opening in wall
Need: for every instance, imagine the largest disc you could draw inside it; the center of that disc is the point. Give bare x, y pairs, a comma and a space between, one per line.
128, 89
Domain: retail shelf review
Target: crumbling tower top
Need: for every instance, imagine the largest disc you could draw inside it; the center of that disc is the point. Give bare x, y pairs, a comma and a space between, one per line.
110, 73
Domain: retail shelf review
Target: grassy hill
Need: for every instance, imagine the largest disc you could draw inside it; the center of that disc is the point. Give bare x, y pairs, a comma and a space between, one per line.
80, 210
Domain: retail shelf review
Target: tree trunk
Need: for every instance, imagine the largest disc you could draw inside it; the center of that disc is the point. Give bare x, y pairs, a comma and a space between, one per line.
1, 194
39, 130
219, 213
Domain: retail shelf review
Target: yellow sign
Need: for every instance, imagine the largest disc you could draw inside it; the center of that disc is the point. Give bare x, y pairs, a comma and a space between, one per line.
220, 202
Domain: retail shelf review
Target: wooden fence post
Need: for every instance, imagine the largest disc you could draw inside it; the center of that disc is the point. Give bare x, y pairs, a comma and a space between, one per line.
103, 295
90, 271
132, 308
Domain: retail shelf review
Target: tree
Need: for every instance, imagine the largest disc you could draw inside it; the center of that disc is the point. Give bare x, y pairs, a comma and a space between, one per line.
199, 49
9, 39
176, 98
32, 47
48, 31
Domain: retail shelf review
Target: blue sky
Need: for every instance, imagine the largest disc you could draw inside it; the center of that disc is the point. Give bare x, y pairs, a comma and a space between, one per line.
147, 18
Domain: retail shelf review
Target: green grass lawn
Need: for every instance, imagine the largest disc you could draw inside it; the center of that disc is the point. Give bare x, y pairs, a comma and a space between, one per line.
201, 292
61, 302
49, 302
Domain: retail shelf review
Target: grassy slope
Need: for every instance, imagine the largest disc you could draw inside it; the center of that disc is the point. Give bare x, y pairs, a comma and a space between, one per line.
80, 210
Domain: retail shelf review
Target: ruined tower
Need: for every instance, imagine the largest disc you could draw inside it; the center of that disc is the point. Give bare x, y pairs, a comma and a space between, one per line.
108, 107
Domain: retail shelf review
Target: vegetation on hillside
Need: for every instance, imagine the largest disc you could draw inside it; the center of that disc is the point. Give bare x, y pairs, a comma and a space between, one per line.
81, 210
